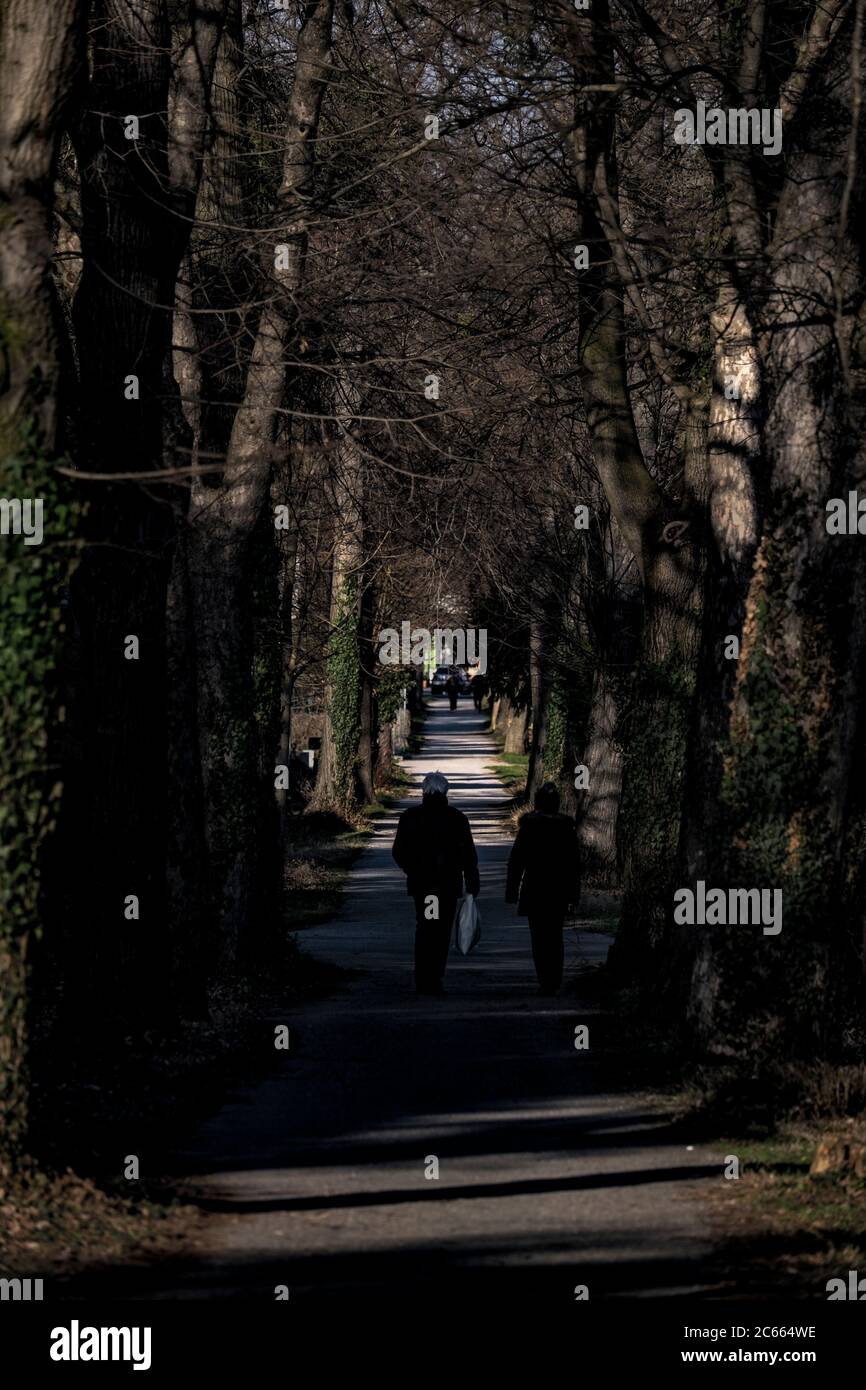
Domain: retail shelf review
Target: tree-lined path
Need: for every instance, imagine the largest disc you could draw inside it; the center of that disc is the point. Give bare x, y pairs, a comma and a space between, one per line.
326, 325
315, 1178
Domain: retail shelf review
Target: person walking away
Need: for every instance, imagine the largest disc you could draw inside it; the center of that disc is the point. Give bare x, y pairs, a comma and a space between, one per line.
544, 880
452, 688
478, 686
434, 848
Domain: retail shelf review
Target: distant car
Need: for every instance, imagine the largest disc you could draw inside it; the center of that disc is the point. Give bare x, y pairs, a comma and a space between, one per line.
438, 679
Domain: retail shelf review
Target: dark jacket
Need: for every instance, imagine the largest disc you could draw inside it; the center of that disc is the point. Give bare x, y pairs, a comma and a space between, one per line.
544, 865
434, 848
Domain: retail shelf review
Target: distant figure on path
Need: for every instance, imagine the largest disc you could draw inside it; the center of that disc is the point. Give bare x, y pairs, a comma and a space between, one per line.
478, 686
435, 850
544, 880
452, 687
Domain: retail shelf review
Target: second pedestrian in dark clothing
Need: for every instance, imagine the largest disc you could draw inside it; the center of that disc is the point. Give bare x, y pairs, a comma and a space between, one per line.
478, 686
434, 848
452, 689
544, 880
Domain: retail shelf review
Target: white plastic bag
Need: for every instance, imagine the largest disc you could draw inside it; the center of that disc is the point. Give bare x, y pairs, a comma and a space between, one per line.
468, 921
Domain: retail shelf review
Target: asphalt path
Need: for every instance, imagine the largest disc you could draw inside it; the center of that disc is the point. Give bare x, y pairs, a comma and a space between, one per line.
409, 1147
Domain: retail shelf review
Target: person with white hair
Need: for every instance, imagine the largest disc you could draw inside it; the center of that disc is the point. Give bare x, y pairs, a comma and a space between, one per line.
434, 848
435, 784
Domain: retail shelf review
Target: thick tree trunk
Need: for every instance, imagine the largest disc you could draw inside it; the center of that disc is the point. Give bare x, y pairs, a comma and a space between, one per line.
651, 808
659, 532
612, 626
735, 480
203, 156
734, 447
221, 200
516, 724
793, 768
40, 53
338, 781
40, 50
226, 520
138, 194
117, 805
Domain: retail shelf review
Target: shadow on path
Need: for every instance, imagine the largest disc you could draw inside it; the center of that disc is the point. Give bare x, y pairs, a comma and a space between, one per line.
408, 1144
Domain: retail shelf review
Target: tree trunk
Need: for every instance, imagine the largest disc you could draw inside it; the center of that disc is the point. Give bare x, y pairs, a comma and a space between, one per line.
205, 156
793, 766
289, 551
540, 678
117, 805
338, 781
656, 741
516, 725
226, 520
598, 807
190, 910
40, 50
611, 632
384, 756
734, 446
367, 723
660, 532
138, 192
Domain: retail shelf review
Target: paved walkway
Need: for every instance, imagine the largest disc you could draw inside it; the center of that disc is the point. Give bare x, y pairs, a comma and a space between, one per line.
316, 1177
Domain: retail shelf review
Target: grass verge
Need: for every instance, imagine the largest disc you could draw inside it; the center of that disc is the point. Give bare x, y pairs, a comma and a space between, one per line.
782, 1231
512, 770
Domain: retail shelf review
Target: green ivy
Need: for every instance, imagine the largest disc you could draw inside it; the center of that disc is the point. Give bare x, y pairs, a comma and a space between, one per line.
653, 734
344, 676
31, 581
391, 683
557, 727
781, 837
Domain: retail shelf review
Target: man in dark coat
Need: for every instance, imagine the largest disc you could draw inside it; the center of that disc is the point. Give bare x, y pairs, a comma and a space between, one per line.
435, 850
478, 686
452, 690
544, 880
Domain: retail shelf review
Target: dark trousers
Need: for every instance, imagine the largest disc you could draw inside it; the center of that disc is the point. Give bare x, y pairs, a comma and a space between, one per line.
432, 941
452, 700
548, 951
